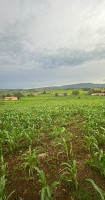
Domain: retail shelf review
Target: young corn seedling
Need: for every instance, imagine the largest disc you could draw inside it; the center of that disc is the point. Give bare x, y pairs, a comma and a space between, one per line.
101, 136
27, 138
18, 138
38, 133
65, 149
71, 170
71, 149
100, 192
98, 161
2, 139
3, 166
64, 131
11, 141
46, 191
3, 181
91, 142
31, 160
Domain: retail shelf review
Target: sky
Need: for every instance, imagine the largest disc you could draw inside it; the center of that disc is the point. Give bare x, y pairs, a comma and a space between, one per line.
51, 42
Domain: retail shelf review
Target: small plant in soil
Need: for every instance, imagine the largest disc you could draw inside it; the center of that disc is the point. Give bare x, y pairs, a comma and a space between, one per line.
3, 181
31, 160
83, 194
91, 142
46, 191
100, 192
98, 161
64, 144
71, 171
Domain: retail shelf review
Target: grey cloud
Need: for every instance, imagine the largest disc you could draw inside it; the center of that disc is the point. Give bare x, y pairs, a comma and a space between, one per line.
31, 38
12, 53
65, 57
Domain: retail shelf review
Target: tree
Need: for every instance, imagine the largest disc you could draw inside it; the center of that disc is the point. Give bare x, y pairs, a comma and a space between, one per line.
3, 96
91, 91
65, 94
30, 95
8, 95
18, 95
75, 92
56, 94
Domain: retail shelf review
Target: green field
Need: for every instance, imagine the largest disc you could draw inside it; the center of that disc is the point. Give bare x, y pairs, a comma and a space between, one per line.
53, 147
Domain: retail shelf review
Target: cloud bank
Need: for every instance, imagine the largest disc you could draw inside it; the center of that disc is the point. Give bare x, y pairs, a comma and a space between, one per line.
46, 42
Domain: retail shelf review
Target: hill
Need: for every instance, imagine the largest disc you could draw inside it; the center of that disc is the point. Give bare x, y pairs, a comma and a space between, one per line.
73, 86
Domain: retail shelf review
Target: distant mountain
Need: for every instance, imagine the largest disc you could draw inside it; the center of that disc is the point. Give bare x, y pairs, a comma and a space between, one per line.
73, 86
83, 85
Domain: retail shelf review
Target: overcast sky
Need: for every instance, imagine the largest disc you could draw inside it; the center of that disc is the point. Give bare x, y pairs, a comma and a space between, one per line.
51, 42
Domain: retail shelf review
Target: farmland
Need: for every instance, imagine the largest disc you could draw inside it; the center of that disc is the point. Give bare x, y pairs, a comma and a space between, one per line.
53, 148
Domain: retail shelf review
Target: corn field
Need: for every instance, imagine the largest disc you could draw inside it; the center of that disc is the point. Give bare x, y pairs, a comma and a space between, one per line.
52, 148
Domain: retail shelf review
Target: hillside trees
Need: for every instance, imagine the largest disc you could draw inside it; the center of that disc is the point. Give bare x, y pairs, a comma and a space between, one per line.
18, 94
75, 92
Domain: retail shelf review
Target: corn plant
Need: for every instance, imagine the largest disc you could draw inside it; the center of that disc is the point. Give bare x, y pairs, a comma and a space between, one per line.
38, 133
18, 138
71, 149
64, 144
46, 191
100, 137
64, 131
3, 166
3, 181
66, 148
71, 170
100, 192
27, 138
2, 139
31, 160
91, 142
98, 161
11, 141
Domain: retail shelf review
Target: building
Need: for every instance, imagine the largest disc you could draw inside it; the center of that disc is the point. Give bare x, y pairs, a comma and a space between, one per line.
98, 94
35, 95
10, 98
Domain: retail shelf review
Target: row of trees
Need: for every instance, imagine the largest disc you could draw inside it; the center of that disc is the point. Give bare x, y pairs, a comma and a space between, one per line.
91, 91
74, 92
16, 94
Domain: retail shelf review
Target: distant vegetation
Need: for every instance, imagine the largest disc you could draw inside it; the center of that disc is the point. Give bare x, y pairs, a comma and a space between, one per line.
17, 94
61, 92
75, 92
